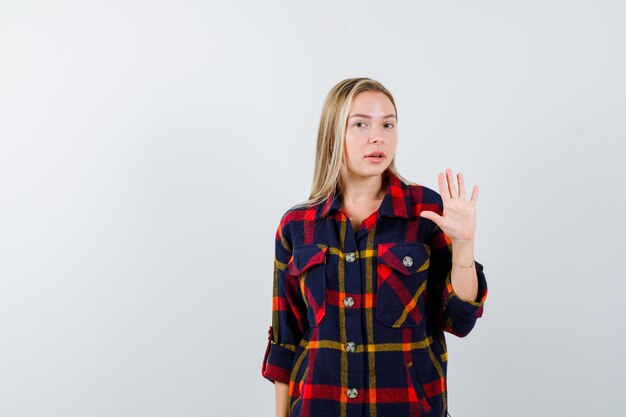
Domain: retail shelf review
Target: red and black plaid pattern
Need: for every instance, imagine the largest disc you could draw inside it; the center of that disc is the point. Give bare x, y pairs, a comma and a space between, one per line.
358, 319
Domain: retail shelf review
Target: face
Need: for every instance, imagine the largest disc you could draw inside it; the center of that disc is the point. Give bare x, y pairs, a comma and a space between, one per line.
371, 128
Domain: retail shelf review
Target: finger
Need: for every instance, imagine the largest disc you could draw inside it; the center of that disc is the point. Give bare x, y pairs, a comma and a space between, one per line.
443, 188
451, 186
461, 186
474, 197
431, 215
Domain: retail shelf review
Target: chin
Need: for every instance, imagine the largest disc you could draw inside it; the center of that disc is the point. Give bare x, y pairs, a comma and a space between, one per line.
372, 171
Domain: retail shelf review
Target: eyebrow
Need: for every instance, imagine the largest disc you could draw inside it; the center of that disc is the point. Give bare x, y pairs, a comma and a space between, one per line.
369, 117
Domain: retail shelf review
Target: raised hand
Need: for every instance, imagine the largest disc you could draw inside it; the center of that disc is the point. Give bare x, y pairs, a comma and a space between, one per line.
459, 215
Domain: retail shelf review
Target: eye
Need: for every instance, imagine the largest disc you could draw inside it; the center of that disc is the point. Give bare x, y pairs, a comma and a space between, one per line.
359, 123
389, 125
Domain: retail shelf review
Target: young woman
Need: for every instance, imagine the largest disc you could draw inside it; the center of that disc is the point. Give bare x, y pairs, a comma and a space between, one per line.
369, 273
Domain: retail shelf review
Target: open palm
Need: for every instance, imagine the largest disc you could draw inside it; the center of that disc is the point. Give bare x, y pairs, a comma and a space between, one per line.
459, 215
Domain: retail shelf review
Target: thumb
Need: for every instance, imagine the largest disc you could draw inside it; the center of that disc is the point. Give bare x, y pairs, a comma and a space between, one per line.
431, 215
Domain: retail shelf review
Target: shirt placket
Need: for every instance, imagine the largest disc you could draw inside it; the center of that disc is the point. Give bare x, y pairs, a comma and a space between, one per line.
354, 244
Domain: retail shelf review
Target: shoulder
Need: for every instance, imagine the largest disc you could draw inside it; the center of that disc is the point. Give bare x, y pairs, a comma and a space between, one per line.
292, 220
297, 213
423, 198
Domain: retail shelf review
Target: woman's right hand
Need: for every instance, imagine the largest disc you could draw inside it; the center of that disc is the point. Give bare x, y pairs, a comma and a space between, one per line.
282, 399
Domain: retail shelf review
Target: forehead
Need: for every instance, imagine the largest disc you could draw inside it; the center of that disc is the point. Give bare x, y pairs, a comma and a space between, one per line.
372, 102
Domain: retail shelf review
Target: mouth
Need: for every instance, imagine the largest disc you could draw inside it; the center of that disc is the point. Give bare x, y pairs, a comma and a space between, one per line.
376, 155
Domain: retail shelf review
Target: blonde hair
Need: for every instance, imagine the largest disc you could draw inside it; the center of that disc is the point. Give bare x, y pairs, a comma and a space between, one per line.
330, 152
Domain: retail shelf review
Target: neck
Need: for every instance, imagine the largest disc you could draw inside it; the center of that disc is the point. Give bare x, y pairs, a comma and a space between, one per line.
358, 189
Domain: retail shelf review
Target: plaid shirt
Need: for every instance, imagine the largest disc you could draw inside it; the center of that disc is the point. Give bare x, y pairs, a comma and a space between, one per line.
358, 318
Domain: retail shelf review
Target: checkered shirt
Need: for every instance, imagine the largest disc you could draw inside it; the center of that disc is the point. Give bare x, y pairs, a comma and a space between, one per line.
358, 318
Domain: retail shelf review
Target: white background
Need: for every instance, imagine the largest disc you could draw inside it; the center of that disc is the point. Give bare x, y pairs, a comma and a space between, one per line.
149, 148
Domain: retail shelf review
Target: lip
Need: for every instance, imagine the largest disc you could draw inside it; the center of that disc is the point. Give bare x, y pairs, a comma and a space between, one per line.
375, 160
383, 155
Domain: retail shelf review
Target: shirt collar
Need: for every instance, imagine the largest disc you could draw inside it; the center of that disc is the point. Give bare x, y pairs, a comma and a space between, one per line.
396, 203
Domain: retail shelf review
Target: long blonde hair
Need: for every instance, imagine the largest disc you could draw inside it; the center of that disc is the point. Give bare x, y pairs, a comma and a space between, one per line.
330, 152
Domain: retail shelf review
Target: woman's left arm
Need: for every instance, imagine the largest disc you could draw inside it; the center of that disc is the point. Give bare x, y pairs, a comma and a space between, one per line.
465, 287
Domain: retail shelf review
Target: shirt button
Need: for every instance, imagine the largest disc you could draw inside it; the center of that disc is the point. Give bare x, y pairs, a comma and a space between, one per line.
350, 346
350, 257
348, 301
407, 261
352, 392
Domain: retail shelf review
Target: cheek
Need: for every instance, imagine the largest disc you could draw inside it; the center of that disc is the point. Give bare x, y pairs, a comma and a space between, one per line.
392, 143
352, 146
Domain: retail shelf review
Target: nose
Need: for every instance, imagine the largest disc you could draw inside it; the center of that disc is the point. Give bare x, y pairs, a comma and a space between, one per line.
376, 134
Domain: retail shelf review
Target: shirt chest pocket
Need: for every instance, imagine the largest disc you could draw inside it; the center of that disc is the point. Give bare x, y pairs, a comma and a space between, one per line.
402, 273
308, 266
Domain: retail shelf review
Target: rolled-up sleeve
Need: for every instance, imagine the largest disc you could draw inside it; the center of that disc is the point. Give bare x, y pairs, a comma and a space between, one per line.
288, 314
461, 315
